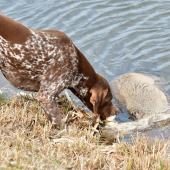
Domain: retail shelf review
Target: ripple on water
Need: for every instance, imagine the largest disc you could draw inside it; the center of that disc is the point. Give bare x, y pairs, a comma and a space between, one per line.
117, 36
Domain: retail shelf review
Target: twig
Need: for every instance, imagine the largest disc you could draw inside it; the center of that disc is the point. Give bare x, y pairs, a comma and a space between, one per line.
94, 129
69, 99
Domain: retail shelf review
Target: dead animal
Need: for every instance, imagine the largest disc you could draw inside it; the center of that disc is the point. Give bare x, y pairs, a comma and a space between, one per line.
142, 97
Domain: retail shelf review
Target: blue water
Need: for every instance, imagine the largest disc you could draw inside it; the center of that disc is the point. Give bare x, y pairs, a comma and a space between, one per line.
116, 36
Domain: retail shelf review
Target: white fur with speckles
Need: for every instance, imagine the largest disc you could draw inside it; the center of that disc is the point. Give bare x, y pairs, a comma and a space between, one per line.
39, 50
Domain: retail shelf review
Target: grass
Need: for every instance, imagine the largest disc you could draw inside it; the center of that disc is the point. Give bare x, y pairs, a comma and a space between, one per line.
28, 141
3, 100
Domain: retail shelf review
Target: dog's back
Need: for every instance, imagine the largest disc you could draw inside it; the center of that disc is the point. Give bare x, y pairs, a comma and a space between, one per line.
28, 56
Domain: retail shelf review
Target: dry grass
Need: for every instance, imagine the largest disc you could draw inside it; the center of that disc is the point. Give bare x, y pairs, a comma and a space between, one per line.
28, 141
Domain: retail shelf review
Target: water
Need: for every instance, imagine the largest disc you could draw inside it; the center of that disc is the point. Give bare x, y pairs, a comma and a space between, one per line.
116, 36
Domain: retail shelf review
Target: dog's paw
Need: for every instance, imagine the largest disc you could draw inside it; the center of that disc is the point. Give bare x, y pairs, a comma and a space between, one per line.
60, 125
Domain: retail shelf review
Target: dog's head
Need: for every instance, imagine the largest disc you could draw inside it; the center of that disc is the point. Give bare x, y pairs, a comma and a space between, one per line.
101, 97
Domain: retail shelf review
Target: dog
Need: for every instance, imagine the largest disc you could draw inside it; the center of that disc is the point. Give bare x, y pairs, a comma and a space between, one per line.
47, 62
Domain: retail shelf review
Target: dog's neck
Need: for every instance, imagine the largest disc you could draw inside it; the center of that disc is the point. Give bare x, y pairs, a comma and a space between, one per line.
84, 80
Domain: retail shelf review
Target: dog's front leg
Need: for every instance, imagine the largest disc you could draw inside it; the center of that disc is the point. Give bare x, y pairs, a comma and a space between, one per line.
49, 104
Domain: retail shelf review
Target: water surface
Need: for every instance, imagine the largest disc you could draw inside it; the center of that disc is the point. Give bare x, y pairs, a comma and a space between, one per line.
116, 36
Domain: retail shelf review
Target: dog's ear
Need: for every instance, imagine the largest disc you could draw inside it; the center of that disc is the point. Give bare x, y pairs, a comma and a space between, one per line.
97, 96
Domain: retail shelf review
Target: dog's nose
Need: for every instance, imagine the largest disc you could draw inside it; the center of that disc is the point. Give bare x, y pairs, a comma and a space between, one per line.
117, 112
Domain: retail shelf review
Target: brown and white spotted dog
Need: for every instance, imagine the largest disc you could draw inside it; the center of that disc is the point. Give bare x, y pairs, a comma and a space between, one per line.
48, 62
